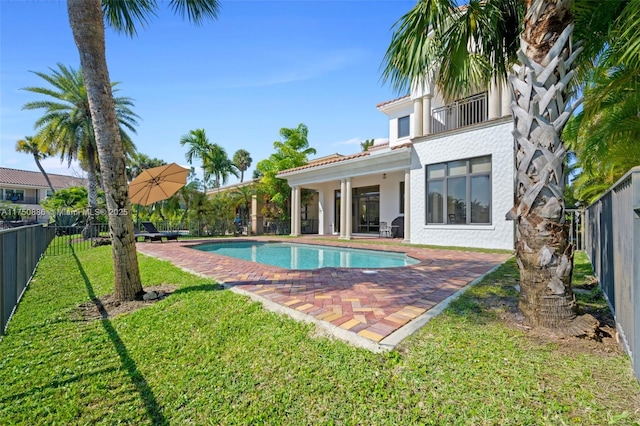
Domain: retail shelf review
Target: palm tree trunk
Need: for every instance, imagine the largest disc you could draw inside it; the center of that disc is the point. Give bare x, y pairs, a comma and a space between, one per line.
92, 177
85, 18
90, 230
46, 176
540, 110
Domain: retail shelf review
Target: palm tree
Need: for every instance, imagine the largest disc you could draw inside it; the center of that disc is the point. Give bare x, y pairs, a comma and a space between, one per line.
66, 127
367, 144
604, 134
33, 145
199, 147
465, 47
86, 19
138, 162
219, 165
292, 151
243, 196
242, 159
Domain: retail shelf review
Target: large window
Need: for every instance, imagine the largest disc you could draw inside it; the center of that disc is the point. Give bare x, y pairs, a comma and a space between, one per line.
403, 127
466, 187
14, 194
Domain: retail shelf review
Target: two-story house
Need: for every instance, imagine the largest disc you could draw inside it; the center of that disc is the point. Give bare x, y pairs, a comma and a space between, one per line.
444, 178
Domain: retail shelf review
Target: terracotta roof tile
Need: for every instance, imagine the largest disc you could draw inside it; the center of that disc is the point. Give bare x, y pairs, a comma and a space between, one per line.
392, 101
29, 178
330, 160
338, 158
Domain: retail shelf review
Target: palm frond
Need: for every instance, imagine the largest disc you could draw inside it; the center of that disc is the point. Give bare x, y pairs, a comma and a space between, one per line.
124, 15
196, 11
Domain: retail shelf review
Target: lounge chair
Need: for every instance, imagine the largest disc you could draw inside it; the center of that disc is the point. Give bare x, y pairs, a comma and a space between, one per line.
152, 234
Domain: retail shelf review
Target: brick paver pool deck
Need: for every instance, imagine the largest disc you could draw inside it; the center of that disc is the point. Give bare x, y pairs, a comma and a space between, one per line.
373, 310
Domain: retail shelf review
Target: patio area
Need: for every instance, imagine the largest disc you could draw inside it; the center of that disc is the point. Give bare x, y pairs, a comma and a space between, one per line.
375, 311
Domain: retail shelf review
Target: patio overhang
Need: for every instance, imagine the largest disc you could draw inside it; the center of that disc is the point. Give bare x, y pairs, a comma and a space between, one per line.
368, 163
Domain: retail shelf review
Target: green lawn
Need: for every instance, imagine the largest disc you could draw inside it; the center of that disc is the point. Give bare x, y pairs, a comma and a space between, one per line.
209, 356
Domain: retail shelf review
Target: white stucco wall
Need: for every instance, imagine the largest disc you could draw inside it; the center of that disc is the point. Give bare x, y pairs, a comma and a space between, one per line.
404, 108
493, 138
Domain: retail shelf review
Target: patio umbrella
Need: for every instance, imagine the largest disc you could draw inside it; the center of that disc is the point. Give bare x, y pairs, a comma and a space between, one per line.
156, 184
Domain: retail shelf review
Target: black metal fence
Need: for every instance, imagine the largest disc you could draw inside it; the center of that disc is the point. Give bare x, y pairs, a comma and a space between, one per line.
78, 237
20, 251
612, 241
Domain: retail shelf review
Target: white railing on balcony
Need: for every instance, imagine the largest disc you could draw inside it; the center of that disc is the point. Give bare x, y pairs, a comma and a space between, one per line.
462, 113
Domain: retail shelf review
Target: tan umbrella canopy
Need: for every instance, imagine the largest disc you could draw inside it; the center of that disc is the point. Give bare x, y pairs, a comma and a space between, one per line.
156, 184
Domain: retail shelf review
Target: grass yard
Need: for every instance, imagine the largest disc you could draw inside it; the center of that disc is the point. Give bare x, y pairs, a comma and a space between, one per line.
208, 356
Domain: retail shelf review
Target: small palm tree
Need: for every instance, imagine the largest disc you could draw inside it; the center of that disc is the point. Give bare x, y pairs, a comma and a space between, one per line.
243, 197
219, 165
33, 145
199, 147
242, 160
367, 144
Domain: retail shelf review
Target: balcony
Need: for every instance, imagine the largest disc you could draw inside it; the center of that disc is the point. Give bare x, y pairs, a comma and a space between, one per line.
461, 113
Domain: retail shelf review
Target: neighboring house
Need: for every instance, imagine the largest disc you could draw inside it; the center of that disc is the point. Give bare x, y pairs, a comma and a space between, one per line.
27, 189
445, 177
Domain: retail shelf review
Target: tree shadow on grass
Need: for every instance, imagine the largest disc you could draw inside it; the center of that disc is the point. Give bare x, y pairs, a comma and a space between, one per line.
146, 393
203, 288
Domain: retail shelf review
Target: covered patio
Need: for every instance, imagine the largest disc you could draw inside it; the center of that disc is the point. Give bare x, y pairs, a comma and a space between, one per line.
355, 194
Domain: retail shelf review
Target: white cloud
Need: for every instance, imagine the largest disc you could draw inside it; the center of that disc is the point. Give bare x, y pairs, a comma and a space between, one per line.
352, 141
53, 165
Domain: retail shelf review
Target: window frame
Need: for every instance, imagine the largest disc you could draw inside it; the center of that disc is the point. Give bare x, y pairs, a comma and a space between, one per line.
408, 118
468, 175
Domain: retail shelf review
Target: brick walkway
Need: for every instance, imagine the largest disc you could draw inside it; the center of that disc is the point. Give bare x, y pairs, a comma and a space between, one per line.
373, 306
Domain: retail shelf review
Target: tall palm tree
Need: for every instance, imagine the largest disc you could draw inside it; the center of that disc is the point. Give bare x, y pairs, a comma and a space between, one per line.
219, 165
465, 47
33, 145
86, 18
199, 147
66, 128
242, 159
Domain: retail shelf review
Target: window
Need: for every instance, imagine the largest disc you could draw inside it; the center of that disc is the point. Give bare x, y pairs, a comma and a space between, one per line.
403, 127
402, 197
14, 195
466, 184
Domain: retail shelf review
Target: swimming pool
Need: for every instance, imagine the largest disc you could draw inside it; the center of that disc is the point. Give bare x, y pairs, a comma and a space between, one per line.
307, 256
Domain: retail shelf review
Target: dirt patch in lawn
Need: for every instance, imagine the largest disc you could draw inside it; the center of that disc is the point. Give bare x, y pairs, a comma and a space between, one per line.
605, 340
107, 307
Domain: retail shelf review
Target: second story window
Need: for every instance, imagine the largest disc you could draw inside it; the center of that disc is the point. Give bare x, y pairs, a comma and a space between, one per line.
403, 127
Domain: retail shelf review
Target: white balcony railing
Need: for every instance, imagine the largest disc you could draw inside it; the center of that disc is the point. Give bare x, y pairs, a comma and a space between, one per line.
462, 113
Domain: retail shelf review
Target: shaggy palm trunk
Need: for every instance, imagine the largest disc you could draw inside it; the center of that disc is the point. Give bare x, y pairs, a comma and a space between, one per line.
540, 109
85, 18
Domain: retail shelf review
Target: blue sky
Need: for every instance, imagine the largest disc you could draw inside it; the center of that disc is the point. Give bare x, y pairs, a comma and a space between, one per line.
261, 66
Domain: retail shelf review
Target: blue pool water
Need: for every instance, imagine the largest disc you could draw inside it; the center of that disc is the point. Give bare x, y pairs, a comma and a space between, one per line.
307, 256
